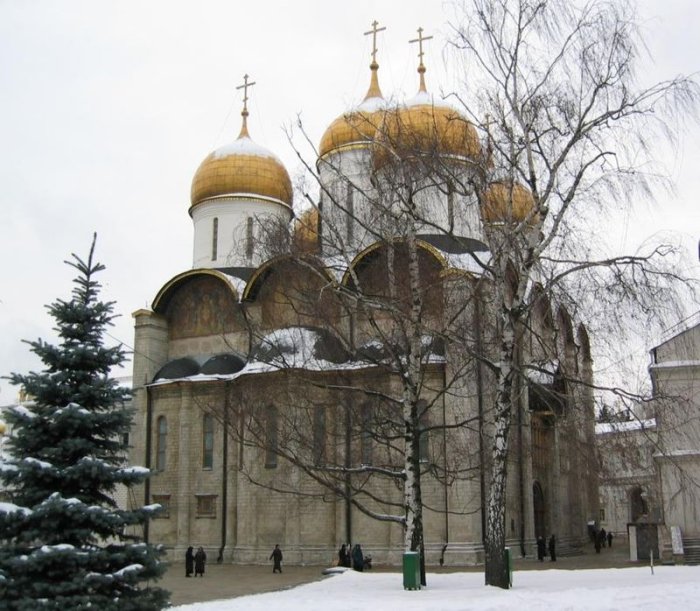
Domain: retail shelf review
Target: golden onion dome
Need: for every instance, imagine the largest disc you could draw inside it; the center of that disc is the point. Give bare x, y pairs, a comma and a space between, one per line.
306, 231
244, 169
506, 201
424, 128
356, 128
2, 428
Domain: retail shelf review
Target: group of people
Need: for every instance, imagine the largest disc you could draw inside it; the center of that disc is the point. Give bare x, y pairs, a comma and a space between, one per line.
195, 562
542, 548
354, 557
600, 538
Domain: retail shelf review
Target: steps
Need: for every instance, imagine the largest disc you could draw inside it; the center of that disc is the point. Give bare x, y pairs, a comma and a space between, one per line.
691, 550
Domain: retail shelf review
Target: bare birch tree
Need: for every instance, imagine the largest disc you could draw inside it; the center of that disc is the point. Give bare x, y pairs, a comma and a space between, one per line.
554, 86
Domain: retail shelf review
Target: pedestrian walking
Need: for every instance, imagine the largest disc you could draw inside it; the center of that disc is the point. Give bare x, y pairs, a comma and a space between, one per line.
189, 561
552, 549
276, 557
540, 549
200, 560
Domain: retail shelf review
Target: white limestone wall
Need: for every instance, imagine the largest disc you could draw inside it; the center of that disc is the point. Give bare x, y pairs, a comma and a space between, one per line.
344, 231
233, 214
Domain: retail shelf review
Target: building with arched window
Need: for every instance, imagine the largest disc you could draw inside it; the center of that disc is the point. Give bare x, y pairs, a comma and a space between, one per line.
280, 359
651, 463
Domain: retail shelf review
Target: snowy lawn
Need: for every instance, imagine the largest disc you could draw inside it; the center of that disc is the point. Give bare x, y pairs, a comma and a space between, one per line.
670, 587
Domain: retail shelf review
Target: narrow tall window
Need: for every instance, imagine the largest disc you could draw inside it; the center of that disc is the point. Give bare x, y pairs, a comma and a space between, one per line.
214, 238
162, 444
271, 438
207, 441
424, 439
319, 432
366, 435
451, 207
249, 237
350, 213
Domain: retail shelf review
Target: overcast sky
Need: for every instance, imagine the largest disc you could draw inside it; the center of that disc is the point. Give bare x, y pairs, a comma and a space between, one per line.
108, 107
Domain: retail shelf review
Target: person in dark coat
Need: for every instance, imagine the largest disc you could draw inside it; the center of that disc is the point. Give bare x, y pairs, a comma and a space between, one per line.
189, 561
603, 537
540, 549
610, 538
358, 558
343, 556
552, 548
200, 559
276, 557
597, 543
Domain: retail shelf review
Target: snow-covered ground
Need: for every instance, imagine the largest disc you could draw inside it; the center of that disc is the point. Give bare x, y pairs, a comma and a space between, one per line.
669, 587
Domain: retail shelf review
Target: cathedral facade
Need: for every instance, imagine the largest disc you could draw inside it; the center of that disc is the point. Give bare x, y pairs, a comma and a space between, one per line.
268, 378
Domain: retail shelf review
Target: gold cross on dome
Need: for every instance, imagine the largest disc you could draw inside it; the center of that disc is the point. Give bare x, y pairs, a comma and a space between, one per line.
245, 86
374, 31
420, 41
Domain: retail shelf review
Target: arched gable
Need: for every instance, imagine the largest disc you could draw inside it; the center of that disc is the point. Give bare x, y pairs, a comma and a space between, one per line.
292, 291
199, 303
369, 255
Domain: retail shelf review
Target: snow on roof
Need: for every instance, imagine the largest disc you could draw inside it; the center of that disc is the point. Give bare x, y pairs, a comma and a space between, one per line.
542, 372
372, 104
626, 426
467, 261
674, 364
238, 284
243, 146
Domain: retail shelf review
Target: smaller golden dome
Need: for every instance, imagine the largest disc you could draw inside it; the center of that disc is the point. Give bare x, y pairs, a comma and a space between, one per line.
242, 168
505, 201
306, 231
2, 428
357, 127
423, 129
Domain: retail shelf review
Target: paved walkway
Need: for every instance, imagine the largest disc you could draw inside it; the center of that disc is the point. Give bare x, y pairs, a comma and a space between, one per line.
229, 580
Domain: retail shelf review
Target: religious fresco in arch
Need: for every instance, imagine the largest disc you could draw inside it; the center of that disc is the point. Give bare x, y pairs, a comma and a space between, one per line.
202, 306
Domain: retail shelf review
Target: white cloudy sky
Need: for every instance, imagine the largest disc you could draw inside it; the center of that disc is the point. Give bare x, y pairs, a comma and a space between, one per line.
108, 107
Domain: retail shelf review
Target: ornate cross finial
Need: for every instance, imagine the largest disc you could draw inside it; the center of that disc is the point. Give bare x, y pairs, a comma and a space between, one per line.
244, 112
374, 31
421, 68
420, 41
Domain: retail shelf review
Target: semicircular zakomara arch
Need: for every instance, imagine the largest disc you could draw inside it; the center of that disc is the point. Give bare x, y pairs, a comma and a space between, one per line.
291, 291
199, 302
369, 273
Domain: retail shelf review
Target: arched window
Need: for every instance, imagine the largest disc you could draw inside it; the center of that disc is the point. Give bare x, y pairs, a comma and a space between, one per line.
366, 435
249, 237
319, 431
207, 441
424, 439
162, 445
451, 206
214, 238
271, 438
350, 213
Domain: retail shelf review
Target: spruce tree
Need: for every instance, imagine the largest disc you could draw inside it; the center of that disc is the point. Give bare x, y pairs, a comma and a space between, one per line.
64, 543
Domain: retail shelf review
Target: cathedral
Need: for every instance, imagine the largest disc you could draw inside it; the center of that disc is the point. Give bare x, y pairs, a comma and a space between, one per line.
269, 379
